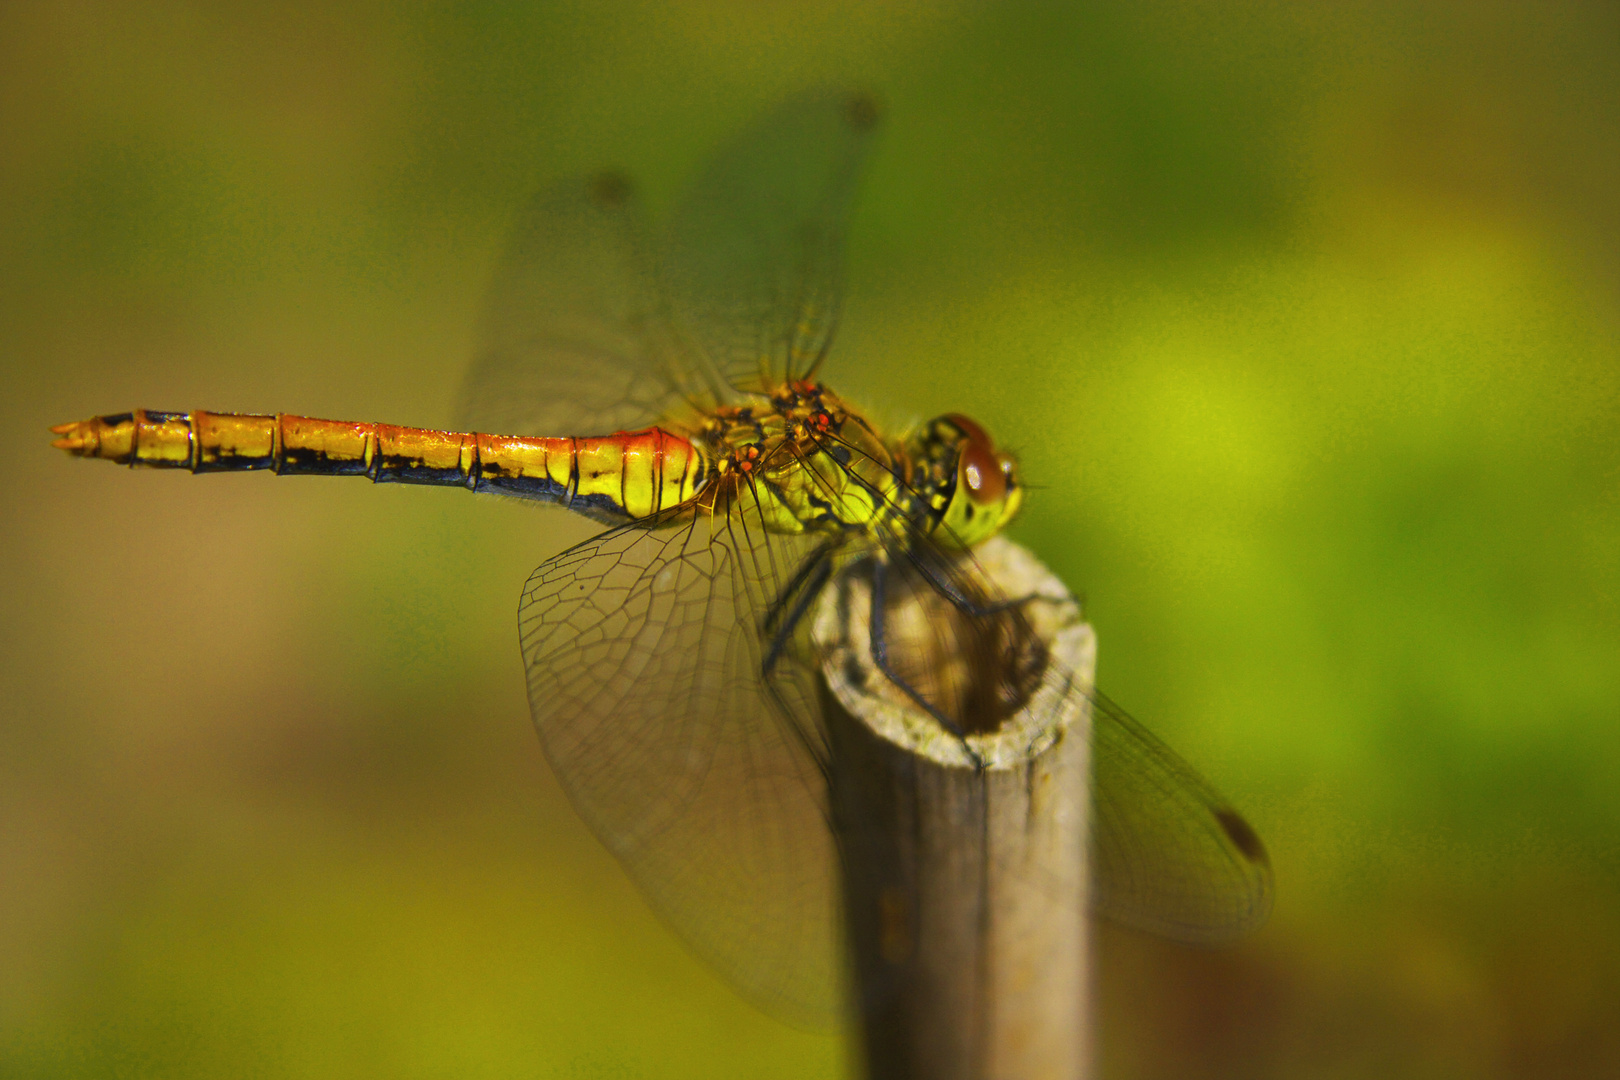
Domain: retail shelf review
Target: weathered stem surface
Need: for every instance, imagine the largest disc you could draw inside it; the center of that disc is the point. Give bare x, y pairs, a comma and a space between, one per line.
965, 882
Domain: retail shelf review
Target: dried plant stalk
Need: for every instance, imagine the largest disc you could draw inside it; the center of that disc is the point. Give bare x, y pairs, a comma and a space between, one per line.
965, 857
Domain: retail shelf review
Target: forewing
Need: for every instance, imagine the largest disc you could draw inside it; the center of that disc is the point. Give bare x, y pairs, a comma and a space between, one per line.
570, 340
644, 669
753, 257
1169, 855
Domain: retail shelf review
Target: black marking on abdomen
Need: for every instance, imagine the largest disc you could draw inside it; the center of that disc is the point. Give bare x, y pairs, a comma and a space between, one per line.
597, 504
302, 459
225, 462
400, 469
523, 487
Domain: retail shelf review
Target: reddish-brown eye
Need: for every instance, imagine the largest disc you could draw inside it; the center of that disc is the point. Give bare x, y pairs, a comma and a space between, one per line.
971, 429
981, 473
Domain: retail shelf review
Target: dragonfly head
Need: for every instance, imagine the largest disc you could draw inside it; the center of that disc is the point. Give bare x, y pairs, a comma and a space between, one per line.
972, 487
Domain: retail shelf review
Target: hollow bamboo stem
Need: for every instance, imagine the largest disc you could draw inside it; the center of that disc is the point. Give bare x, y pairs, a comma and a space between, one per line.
965, 881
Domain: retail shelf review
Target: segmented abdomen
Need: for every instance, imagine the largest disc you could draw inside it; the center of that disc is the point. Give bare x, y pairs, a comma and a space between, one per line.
629, 474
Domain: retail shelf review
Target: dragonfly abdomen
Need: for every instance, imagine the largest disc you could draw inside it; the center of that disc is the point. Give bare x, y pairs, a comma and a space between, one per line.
626, 475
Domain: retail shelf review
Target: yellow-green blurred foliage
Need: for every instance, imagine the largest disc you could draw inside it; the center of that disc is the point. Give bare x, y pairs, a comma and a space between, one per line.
1304, 321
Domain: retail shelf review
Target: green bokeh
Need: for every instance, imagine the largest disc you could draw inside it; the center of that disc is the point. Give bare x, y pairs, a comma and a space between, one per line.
1305, 324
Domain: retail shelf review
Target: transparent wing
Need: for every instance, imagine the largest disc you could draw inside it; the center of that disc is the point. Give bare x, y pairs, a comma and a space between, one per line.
753, 254
644, 665
1169, 855
570, 340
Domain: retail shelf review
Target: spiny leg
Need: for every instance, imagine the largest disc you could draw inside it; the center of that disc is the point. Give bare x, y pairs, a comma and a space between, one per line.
880, 659
808, 582
943, 585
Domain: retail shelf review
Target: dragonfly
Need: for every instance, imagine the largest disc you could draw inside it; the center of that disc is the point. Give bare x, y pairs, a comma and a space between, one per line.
669, 385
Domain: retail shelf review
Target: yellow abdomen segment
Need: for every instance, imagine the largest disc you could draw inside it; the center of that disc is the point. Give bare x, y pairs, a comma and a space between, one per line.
630, 474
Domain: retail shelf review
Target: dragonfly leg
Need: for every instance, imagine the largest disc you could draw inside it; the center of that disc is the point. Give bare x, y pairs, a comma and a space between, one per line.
807, 583
781, 620
966, 604
880, 659
808, 568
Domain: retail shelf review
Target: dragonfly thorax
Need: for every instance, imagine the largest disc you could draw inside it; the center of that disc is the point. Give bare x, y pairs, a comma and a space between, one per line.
810, 461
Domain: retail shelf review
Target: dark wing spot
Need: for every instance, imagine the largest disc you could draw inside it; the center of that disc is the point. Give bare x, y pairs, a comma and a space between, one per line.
610, 189
862, 112
1238, 831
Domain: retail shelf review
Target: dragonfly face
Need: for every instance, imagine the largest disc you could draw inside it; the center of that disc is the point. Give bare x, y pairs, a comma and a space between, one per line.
668, 388
972, 488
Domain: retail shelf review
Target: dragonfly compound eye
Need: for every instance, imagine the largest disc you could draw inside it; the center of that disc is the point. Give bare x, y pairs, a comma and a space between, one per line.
981, 476
984, 493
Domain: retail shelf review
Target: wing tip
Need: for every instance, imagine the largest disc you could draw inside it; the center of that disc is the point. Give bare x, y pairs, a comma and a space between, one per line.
610, 189
863, 110
1243, 836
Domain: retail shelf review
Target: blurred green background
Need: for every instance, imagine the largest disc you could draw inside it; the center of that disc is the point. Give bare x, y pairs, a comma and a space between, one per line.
1303, 320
